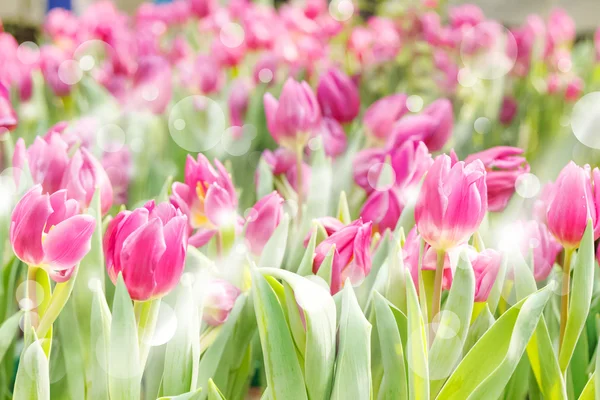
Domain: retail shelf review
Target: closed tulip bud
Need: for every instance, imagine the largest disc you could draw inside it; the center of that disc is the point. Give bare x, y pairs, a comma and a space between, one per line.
352, 255
83, 176
383, 209
47, 160
574, 199
295, 117
51, 58
8, 116
467, 15
338, 96
201, 8
152, 87
504, 165
441, 112
485, 267
534, 239
148, 247
452, 202
330, 224
574, 89
265, 69
381, 116
262, 221
561, 28
508, 110
411, 127
219, 300
334, 138
238, 102
119, 167
46, 231
208, 74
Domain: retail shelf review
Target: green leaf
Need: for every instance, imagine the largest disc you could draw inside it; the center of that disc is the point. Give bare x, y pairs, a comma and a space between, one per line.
353, 363
274, 250
452, 330
8, 331
100, 335
124, 358
482, 323
213, 391
393, 384
496, 292
69, 336
321, 179
306, 265
164, 191
589, 391
416, 344
325, 268
395, 291
581, 296
60, 296
195, 395
33, 375
486, 369
265, 179
343, 211
365, 290
284, 375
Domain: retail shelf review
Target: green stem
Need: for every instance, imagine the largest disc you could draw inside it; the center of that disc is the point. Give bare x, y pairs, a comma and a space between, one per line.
299, 182
437, 288
564, 301
146, 314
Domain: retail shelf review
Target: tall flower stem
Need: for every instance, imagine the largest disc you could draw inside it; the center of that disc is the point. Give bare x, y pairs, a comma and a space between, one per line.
564, 301
146, 314
299, 182
437, 287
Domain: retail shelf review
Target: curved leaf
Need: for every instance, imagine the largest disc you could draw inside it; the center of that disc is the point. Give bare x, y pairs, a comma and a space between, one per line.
416, 344
33, 375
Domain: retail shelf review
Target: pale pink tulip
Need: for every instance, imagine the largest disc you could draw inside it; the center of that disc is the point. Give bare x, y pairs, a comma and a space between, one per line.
219, 300
262, 220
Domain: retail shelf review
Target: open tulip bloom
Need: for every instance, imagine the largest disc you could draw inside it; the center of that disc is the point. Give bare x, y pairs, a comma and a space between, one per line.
204, 200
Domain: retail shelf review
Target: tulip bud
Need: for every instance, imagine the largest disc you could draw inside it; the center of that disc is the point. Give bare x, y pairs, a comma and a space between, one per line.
383, 209
485, 266
561, 28
574, 199
8, 116
504, 165
535, 239
338, 96
219, 300
352, 255
452, 202
574, 89
441, 112
148, 247
381, 116
47, 160
46, 231
466, 15
201, 8
330, 224
50, 60
238, 102
334, 137
295, 117
83, 175
262, 221
508, 110
152, 88
265, 69
208, 74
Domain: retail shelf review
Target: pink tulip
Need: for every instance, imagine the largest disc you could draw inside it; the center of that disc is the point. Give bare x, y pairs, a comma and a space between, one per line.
238, 102
152, 88
338, 96
574, 89
47, 160
265, 69
381, 116
47, 231
148, 247
575, 198
597, 44
292, 177
61, 24
280, 160
8, 116
411, 127
208, 73
383, 209
485, 266
508, 110
202, 8
504, 165
452, 202
330, 224
441, 112
295, 117
262, 220
467, 15
352, 256
561, 28
119, 169
410, 254
228, 56
50, 60
219, 300
535, 238
334, 138
83, 175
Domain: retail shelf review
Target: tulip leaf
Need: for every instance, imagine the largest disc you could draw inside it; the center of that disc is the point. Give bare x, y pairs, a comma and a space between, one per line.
589, 391
321, 178
395, 290
123, 361
60, 296
496, 291
8, 332
306, 264
213, 391
100, 336
33, 376
487, 368
283, 372
274, 250
325, 269
195, 395
416, 344
163, 195
394, 384
265, 179
343, 211
365, 290
581, 296
353, 363
482, 323
453, 327
69, 337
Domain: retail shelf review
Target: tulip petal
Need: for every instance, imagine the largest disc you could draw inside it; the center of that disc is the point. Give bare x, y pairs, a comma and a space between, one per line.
67, 243
172, 262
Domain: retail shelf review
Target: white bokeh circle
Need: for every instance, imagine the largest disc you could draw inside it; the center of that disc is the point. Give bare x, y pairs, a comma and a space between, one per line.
197, 123
585, 120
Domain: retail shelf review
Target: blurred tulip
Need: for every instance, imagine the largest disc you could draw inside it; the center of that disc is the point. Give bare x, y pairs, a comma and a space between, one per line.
334, 138
201, 8
441, 112
208, 74
8, 116
466, 15
574, 198
561, 28
330, 224
597, 44
485, 266
148, 247
265, 69
152, 87
535, 239
380, 117
295, 117
504, 165
508, 110
51, 58
410, 254
238, 102
292, 177
47, 160
219, 299
60, 25
47, 231
338, 96
262, 220
352, 255
574, 89
383, 209
83, 176
119, 169
452, 202
280, 160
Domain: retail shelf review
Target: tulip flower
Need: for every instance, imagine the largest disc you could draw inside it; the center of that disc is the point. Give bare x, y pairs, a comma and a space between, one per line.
295, 117
441, 112
504, 165
118, 166
508, 110
383, 209
452, 202
535, 239
410, 256
83, 176
262, 220
201, 8
574, 198
352, 254
8, 116
466, 15
334, 137
330, 224
338, 96
265, 69
152, 88
561, 28
47, 231
380, 117
238, 102
219, 300
148, 247
47, 160
50, 60
485, 267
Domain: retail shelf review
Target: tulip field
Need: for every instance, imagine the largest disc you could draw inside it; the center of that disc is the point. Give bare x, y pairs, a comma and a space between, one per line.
310, 200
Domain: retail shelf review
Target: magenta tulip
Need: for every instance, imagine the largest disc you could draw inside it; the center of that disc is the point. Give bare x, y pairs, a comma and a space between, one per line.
441, 112
508, 110
535, 239
119, 169
381, 116
334, 137
485, 266
295, 117
504, 165
47, 160
51, 58
8, 116
219, 299
330, 224
148, 247
452, 202
574, 198
152, 87
238, 102
262, 220
338, 96
410, 255
352, 256
383, 209
47, 231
